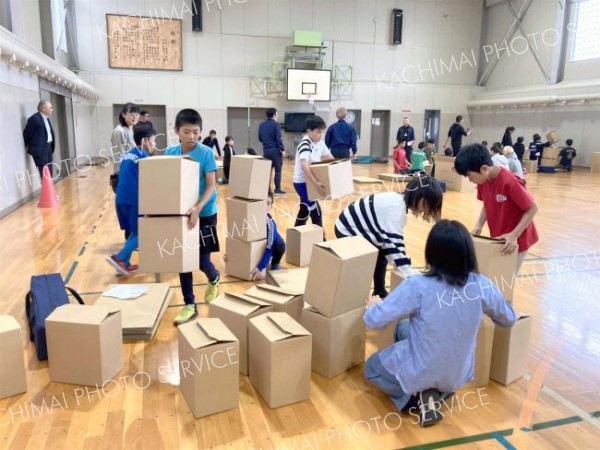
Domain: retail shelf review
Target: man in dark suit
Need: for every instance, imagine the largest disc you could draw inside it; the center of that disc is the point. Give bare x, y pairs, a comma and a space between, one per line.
406, 133
39, 137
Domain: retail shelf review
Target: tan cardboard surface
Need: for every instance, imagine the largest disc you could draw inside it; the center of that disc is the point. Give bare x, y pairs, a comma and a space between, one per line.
12, 366
208, 366
167, 246
299, 243
510, 352
292, 280
243, 257
483, 353
249, 177
246, 219
169, 185
335, 175
497, 267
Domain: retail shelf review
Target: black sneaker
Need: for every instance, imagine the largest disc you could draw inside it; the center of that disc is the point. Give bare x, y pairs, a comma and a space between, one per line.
429, 407
278, 192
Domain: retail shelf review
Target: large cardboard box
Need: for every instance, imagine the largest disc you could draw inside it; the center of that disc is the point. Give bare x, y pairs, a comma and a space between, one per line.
335, 175
383, 338
243, 257
530, 165
395, 279
246, 219
338, 343
280, 359
85, 344
209, 371
509, 355
235, 310
249, 177
497, 267
595, 166
444, 171
483, 354
167, 245
283, 300
553, 136
339, 275
299, 243
551, 152
220, 171
12, 368
169, 185
548, 162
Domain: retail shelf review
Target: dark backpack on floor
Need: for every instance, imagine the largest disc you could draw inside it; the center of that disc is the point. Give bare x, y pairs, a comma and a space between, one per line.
47, 293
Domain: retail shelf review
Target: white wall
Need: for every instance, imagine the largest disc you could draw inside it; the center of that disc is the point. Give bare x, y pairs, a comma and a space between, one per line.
218, 63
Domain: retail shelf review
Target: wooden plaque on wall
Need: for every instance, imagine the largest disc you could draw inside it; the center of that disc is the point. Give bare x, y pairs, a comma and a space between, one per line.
144, 42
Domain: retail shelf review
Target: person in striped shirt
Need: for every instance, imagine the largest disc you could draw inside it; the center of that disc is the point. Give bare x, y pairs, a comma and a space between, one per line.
380, 218
310, 150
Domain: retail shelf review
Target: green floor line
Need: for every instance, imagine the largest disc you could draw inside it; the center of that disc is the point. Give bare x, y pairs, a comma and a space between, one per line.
502, 440
71, 272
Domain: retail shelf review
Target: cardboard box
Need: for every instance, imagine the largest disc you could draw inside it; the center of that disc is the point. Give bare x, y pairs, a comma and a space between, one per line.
395, 279
209, 369
292, 280
335, 175
595, 166
243, 257
339, 275
383, 338
338, 343
497, 267
85, 344
552, 136
12, 368
167, 245
509, 355
397, 177
551, 152
220, 172
299, 243
366, 180
530, 165
235, 310
280, 359
249, 177
483, 354
246, 219
548, 162
169, 185
281, 299
444, 171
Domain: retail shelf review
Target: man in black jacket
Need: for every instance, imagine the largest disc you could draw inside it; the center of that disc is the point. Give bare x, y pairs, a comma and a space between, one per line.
406, 133
39, 137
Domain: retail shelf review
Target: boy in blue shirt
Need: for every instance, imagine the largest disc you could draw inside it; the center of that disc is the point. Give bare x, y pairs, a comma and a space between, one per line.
275, 246
567, 155
127, 198
188, 126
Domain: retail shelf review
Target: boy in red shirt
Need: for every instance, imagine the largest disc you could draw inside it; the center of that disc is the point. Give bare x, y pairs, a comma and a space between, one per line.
508, 207
399, 158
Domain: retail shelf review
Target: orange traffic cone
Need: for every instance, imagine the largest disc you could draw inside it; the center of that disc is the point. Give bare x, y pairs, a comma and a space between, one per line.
48, 197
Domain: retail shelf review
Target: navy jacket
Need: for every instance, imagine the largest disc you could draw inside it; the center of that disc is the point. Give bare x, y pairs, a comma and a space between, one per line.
406, 134
35, 135
269, 133
341, 135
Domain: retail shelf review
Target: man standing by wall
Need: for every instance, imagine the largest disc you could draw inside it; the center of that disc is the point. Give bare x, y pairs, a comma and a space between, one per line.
406, 133
269, 134
39, 137
143, 122
341, 136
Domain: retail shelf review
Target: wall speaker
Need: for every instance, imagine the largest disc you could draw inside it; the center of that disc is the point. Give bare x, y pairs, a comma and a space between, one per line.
397, 26
196, 15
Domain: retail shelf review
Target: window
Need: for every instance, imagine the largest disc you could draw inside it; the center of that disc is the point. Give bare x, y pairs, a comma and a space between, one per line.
587, 31
5, 17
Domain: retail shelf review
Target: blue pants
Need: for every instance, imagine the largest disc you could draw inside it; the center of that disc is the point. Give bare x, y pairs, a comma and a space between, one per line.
384, 380
278, 251
308, 208
275, 156
131, 244
206, 266
341, 152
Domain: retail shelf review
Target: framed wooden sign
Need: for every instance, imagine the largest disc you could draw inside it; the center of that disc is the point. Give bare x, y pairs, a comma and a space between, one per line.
136, 42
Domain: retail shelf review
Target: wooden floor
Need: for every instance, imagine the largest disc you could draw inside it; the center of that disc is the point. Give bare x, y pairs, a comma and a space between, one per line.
558, 407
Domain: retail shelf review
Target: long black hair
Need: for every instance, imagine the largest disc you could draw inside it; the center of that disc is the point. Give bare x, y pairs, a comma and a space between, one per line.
424, 195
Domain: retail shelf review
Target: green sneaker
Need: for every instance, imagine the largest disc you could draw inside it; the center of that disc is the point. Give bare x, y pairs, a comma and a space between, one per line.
212, 290
188, 313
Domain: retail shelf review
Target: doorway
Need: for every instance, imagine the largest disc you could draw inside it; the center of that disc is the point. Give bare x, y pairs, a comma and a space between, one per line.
431, 126
158, 117
64, 133
380, 133
242, 125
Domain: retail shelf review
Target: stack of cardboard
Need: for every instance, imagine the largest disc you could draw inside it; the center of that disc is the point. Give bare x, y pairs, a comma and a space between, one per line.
294, 279
530, 165
497, 267
444, 171
337, 287
285, 300
299, 243
550, 156
335, 175
141, 315
12, 369
169, 187
246, 214
235, 310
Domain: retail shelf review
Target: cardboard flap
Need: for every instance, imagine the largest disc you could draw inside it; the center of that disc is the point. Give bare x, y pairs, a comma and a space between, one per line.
82, 314
349, 247
328, 163
212, 331
310, 308
283, 327
167, 157
8, 323
248, 157
489, 239
306, 228
292, 281
240, 303
271, 294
